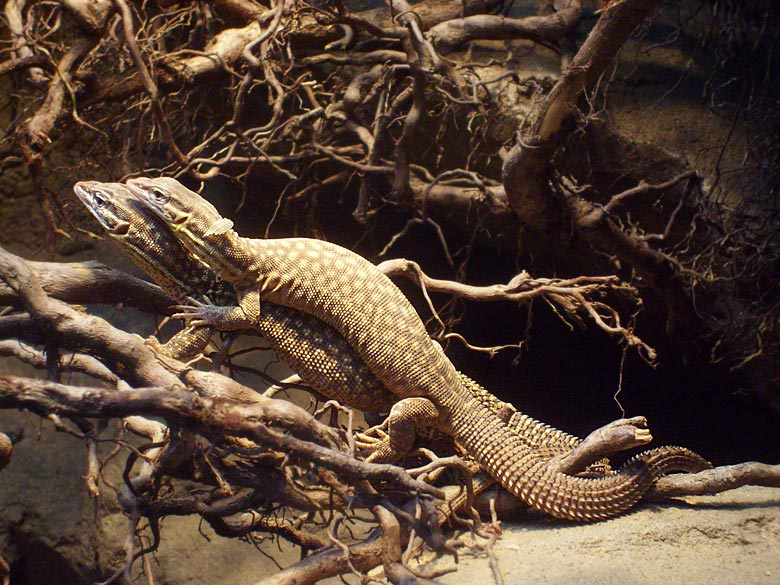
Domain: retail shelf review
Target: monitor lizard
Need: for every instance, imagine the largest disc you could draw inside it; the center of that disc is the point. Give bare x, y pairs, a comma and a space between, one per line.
337, 373
327, 362
298, 338
310, 347
346, 291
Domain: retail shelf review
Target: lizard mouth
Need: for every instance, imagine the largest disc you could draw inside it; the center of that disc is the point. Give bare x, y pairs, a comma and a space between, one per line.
82, 192
99, 202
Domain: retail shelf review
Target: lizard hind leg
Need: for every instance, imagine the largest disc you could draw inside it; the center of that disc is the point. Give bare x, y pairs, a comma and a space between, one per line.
395, 437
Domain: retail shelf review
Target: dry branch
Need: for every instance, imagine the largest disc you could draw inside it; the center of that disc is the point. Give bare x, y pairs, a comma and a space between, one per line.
70, 362
453, 33
6, 448
711, 481
572, 298
19, 46
57, 321
527, 172
93, 282
210, 417
40, 126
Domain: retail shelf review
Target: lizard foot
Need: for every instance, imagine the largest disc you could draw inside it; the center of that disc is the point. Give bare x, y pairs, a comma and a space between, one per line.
376, 445
224, 318
154, 344
198, 314
395, 437
370, 437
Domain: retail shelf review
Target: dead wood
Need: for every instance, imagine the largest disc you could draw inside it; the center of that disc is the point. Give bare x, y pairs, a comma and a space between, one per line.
406, 110
93, 282
527, 170
713, 481
197, 406
454, 32
6, 448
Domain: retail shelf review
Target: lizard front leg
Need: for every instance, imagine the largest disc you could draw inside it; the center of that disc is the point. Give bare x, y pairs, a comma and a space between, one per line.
186, 344
245, 315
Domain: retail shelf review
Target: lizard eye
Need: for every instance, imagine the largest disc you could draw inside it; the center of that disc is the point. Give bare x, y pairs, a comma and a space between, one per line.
100, 200
160, 195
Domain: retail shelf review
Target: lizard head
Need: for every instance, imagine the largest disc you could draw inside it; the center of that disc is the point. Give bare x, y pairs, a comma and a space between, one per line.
148, 241
108, 203
196, 223
169, 199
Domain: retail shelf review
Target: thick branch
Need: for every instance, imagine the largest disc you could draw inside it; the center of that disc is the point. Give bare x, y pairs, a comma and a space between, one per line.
71, 362
432, 12
207, 416
14, 19
56, 320
90, 15
448, 35
6, 448
40, 126
526, 171
330, 562
93, 282
711, 481
223, 52
30, 62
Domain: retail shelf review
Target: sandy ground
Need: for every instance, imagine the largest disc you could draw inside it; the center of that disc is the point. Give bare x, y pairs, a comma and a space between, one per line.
723, 539
731, 538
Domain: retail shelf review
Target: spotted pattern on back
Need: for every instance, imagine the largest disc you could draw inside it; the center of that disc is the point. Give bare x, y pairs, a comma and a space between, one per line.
378, 322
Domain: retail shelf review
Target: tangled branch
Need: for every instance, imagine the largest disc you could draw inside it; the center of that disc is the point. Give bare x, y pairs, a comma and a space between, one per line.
407, 110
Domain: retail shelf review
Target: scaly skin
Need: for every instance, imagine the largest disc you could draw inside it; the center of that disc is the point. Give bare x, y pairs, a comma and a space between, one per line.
349, 293
138, 234
312, 348
307, 345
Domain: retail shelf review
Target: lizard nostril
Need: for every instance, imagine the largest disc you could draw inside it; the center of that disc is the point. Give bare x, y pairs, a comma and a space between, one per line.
122, 229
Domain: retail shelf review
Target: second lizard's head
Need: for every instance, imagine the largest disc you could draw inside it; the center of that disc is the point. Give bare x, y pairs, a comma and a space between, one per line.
195, 221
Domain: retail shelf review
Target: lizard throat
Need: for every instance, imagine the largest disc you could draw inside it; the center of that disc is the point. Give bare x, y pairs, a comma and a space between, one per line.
212, 252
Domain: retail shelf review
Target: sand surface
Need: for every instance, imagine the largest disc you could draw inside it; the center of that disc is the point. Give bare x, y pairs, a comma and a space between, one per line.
728, 538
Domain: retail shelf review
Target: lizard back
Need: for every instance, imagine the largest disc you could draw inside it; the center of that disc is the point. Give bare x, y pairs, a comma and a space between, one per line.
350, 294
372, 314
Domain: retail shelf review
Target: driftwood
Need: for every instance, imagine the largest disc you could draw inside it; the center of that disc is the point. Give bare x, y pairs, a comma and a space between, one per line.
210, 420
325, 99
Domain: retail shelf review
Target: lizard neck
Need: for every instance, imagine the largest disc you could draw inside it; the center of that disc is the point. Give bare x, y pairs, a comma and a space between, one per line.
243, 261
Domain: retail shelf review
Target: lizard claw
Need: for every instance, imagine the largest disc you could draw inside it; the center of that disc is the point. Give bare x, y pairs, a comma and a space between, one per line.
374, 443
199, 314
370, 441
